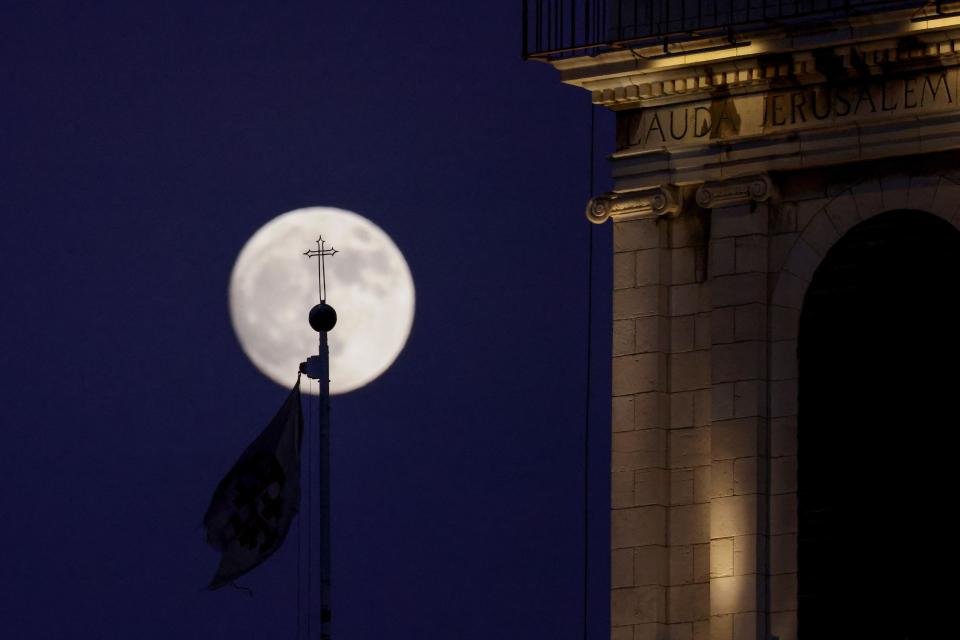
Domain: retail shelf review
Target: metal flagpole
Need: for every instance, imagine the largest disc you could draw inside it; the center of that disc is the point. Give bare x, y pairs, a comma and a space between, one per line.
322, 319
324, 434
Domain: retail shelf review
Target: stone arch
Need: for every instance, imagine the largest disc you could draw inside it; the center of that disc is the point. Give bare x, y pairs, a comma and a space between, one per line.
875, 320
936, 194
817, 231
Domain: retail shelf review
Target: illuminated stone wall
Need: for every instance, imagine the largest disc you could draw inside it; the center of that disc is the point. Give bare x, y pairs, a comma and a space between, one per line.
661, 425
706, 311
719, 226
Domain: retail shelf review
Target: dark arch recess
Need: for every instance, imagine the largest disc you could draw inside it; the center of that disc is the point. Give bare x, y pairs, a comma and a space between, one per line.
879, 355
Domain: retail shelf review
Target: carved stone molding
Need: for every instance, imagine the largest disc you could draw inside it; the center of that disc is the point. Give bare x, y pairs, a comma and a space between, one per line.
630, 205
644, 74
732, 192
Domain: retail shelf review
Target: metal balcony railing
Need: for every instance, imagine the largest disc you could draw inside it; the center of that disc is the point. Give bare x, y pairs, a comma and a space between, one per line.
564, 28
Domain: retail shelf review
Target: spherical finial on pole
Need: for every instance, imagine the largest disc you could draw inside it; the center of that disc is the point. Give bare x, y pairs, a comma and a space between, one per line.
323, 317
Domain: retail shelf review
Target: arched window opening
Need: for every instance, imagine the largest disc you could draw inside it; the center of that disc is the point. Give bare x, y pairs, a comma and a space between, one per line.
879, 390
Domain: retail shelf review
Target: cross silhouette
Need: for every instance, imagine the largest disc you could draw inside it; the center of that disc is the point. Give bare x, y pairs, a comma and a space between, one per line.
322, 252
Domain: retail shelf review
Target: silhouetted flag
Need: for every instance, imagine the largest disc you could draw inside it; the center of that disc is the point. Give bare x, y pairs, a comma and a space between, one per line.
252, 508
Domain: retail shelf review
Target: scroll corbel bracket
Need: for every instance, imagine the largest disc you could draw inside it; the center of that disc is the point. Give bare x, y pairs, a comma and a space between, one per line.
633, 205
726, 193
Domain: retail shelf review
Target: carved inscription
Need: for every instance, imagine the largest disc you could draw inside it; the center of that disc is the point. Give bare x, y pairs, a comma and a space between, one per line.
660, 127
758, 114
826, 103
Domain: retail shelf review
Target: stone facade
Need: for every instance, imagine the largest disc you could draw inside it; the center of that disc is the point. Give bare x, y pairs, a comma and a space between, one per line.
716, 239
706, 313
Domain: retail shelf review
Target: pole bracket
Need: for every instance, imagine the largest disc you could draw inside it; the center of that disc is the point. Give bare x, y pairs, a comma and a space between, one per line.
312, 368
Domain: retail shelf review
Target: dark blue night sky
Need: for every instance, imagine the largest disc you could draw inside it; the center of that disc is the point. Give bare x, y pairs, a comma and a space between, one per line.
142, 146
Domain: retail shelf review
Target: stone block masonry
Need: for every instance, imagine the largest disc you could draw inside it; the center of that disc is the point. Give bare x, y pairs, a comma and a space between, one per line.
737, 170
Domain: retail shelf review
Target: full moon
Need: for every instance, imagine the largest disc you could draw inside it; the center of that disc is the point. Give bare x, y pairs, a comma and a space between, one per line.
273, 286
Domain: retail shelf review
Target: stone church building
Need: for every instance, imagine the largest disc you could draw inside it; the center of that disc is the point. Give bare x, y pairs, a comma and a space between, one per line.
786, 304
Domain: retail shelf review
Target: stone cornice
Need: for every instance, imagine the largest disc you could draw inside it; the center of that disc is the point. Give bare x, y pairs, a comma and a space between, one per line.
866, 87
648, 203
868, 44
